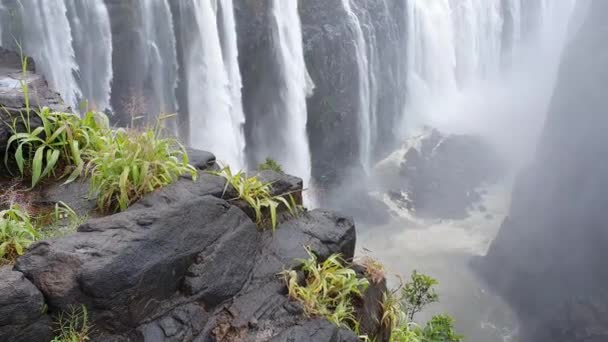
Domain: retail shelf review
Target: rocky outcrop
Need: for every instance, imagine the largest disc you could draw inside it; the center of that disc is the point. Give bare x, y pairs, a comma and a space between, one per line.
185, 263
13, 98
548, 259
22, 309
439, 175
331, 57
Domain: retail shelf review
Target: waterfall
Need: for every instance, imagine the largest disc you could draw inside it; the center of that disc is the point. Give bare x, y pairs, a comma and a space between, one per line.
296, 86
48, 39
365, 111
159, 56
457, 79
214, 108
92, 41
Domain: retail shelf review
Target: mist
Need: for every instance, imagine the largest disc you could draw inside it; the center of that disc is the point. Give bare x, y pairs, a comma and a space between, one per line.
465, 137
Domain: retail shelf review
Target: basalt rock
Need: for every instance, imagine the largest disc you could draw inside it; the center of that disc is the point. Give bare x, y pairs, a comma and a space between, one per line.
548, 258
437, 175
185, 263
23, 315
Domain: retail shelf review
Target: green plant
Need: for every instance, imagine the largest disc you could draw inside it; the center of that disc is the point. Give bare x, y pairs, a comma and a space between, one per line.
61, 221
73, 325
60, 142
257, 194
16, 233
329, 289
418, 293
399, 311
272, 165
129, 164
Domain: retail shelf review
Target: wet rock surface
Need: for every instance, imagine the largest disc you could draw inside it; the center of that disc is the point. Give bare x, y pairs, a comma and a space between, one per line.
548, 258
182, 264
437, 175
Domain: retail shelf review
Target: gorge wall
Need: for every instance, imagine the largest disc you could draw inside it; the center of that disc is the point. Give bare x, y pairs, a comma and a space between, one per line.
548, 259
324, 87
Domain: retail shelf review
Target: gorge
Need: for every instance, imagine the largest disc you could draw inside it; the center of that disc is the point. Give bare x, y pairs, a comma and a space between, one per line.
419, 118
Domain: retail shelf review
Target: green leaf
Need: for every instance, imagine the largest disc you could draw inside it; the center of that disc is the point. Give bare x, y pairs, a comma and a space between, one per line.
37, 165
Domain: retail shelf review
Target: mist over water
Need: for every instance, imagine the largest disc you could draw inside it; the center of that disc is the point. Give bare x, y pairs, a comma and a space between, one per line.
484, 68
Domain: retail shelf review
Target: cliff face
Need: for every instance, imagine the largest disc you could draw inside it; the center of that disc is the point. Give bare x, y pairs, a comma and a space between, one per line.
548, 259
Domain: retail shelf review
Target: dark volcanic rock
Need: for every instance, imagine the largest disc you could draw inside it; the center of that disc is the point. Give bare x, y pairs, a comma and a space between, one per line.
125, 265
181, 264
548, 258
438, 175
22, 309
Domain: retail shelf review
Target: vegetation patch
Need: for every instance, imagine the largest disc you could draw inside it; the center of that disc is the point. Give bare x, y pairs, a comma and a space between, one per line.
402, 304
73, 325
258, 195
272, 165
16, 233
329, 289
129, 164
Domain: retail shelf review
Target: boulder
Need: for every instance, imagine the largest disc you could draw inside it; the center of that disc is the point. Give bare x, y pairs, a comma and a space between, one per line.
180, 264
438, 175
23, 315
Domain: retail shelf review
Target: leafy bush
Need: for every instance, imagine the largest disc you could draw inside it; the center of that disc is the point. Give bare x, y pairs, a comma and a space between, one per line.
272, 165
399, 312
73, 326
59, 144
257, 194
328, 291
16, 233
129, 164
418, 293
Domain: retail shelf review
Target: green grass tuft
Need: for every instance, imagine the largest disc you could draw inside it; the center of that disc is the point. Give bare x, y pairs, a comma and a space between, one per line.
258, 195
328, 291
129, 164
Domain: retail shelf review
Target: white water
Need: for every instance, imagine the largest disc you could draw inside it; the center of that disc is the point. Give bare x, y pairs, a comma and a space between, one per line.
366, 108
215, 115
297, 85
48, 39
458, 77
159, 57
92, 38
231, 60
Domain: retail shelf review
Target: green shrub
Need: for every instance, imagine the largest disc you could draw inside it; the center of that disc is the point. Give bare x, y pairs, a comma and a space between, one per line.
272, 165
328, 291
130, 164
16, 233
59, 144
73, 326
418, 293
257, 194
399, 312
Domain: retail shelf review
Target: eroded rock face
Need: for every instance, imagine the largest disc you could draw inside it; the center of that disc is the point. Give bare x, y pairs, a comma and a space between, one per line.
182, 264
22, 309
548, 259
438, 175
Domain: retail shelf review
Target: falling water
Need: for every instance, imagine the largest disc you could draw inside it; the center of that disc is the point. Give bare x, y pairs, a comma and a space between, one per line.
159, 57
297, 85
48, 39
231, 60
456, 55
215, 120
92, 40
365, 105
